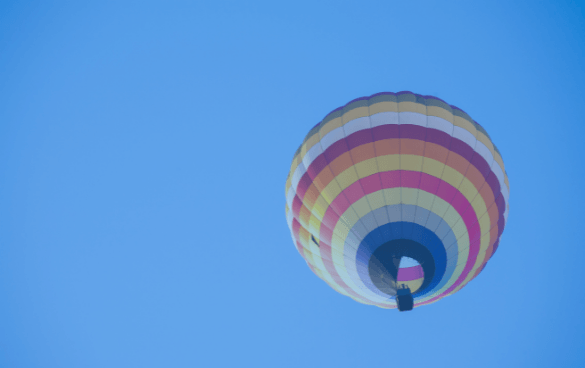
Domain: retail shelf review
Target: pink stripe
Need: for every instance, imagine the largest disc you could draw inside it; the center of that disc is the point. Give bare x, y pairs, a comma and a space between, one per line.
354, 192
410, 273
296, 206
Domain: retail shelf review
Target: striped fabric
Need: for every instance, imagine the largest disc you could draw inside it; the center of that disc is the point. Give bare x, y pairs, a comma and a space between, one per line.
410, 273
397, 166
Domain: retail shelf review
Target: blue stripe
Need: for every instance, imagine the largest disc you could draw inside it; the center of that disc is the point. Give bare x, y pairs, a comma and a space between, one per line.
402, 230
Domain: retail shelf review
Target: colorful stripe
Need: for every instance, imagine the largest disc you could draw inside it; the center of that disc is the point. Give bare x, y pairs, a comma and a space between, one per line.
390, 167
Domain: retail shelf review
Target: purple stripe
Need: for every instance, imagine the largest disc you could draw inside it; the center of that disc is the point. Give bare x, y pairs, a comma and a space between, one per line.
501, 221
335, 150
387, 131
496, 245
481, 164
462, 149
393, 131
494, 183
317, 166
439, 137
359, 138
410, 273
412, 131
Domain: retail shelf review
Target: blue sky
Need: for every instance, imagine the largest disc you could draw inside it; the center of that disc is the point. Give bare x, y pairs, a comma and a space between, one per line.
144, 148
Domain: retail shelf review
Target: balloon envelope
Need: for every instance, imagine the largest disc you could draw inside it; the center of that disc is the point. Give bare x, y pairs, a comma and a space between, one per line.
397, 190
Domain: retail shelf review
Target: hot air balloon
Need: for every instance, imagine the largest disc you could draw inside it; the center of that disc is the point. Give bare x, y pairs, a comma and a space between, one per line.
397, 200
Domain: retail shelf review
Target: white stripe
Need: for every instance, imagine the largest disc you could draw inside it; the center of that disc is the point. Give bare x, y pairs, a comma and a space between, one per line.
332, 137
484, 152
464, 135
440, 124
290, 196
384, 118
299, 172
413, 118
356, 125
500, 175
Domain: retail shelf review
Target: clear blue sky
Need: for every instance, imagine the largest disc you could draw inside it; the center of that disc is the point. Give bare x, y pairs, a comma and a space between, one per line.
144, 148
